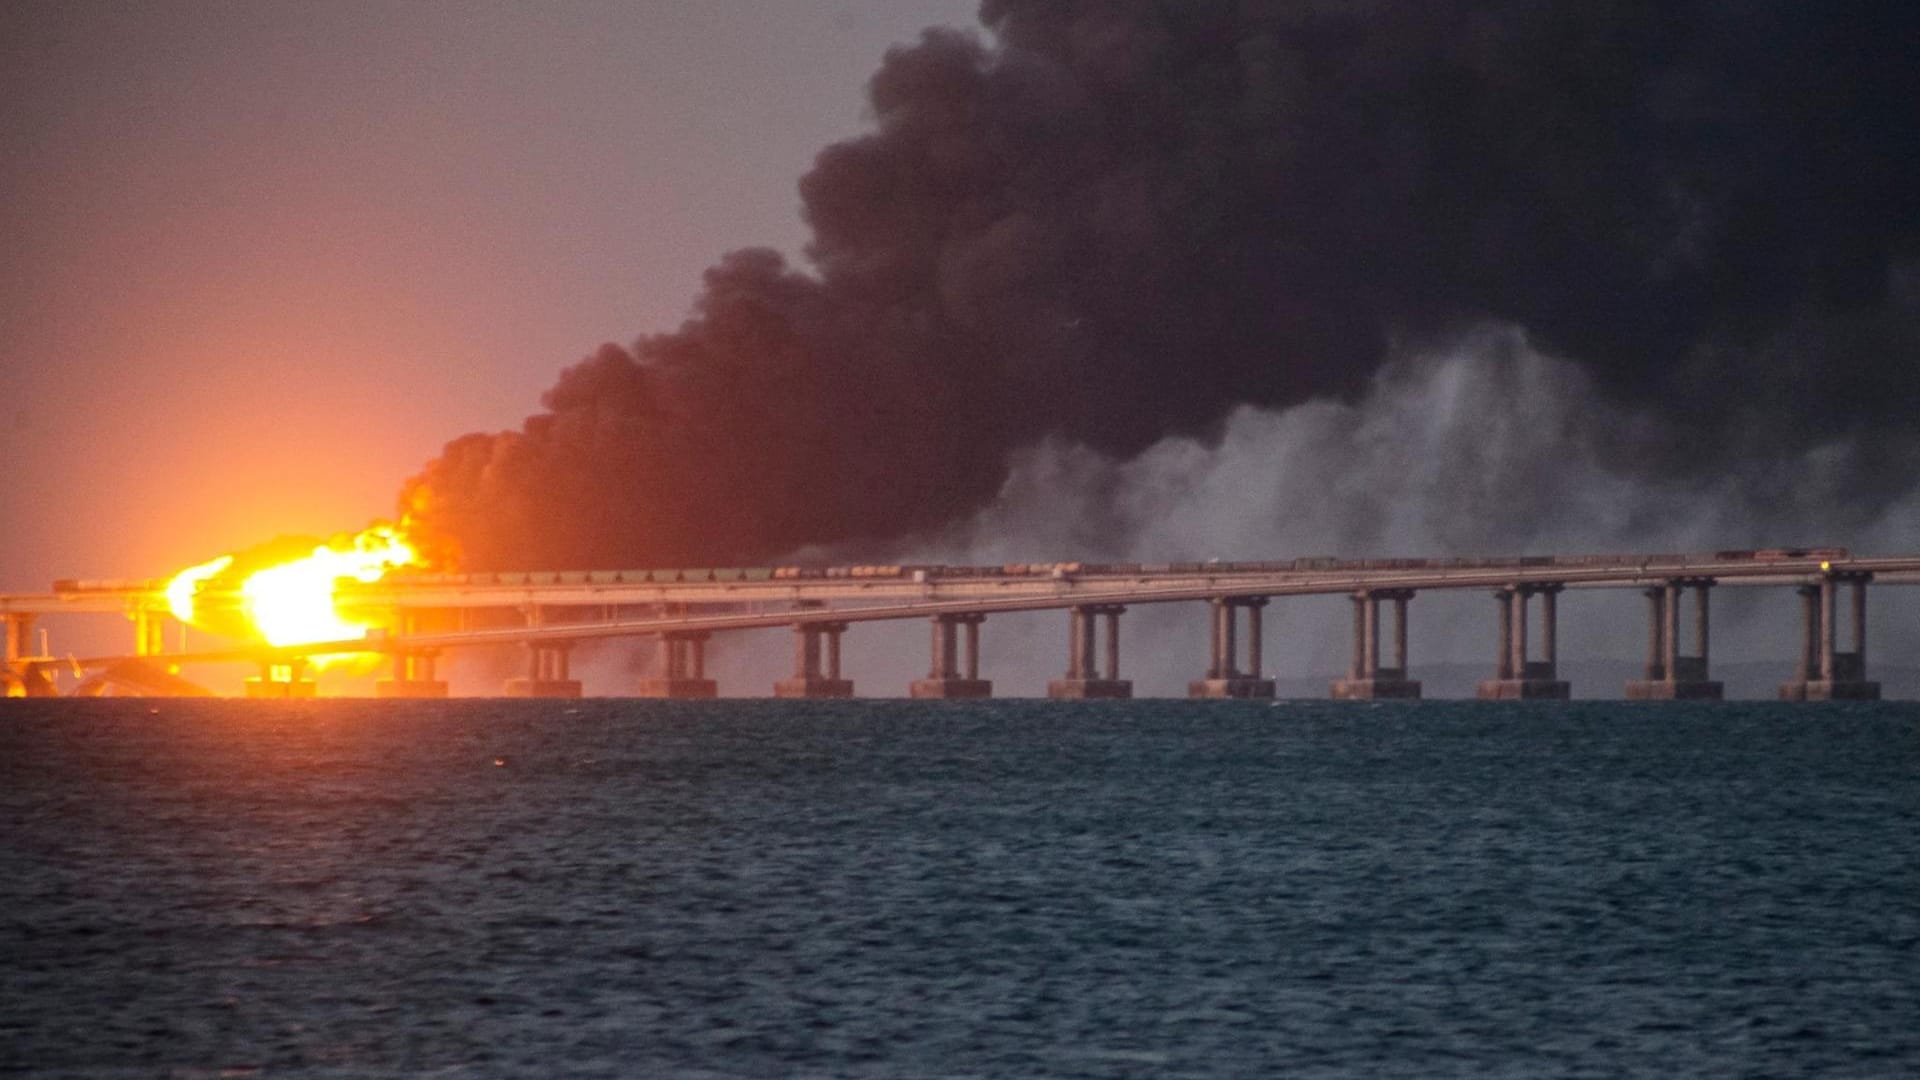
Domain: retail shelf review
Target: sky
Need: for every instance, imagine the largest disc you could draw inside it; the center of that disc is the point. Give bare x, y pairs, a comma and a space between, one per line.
264, 259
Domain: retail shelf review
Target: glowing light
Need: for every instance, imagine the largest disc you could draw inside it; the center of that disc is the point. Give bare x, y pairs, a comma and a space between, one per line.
292, 602
185, 585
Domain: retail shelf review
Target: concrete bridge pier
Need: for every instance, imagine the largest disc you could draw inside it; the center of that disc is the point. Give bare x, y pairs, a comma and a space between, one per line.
1826, 674
1670, 675
548, 672
413, 675
946, 676
813, 678
284, 680
1367, 679
22, 675
1085, 678
1516, 677
149, 632
683, 668
19, 635
1225, 677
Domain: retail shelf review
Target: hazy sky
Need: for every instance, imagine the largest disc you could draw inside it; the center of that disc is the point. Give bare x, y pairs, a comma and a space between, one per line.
263, 259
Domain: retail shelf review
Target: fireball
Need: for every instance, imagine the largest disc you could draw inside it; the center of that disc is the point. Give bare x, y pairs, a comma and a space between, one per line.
285, 599
185, 587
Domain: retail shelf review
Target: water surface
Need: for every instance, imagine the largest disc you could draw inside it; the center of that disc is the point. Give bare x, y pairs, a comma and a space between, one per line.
894, 889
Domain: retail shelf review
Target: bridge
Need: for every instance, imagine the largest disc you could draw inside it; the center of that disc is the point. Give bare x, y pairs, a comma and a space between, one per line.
548, 613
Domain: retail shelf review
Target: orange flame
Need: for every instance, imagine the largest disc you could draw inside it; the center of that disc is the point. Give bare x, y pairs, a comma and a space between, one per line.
186, 585
292, 601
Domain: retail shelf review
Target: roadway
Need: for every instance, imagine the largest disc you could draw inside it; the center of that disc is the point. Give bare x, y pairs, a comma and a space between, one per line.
716, 605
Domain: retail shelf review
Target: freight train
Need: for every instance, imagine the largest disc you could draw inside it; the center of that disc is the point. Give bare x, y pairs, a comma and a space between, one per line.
936, 572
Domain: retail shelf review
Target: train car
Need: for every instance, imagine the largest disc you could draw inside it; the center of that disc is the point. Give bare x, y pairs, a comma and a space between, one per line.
1782, 554
70, 585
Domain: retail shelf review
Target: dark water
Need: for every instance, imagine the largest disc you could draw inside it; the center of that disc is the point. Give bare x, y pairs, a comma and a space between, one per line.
1152, 889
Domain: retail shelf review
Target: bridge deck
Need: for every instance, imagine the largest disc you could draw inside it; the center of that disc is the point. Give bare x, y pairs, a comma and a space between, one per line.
924, 592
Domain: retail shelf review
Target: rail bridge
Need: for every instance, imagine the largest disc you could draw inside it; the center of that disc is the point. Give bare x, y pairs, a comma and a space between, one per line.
548, 613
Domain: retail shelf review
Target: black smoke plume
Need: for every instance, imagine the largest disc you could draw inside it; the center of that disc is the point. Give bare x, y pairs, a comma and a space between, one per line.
1108, 222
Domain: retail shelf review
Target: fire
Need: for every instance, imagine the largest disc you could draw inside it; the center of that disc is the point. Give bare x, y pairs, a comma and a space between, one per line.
185, 585
291, 601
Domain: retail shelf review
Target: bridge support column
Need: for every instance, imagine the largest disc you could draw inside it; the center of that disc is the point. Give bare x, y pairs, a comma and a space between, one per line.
19, 635
1367, 678
682, 671
1672, 676
549, 673
1518, 678
149, 632
282, 681
1225, 677
947, 676
813, 678
22, 675
1084, 678
413, 675
1825, 673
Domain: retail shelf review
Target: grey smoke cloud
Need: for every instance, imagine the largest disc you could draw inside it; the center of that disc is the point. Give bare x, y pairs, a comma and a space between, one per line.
1110, 225
1483, 446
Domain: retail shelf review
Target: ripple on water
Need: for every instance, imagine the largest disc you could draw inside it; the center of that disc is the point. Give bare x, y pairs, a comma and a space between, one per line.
1006, 888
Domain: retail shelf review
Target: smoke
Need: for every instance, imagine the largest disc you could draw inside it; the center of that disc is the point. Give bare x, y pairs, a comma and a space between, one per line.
1484, 446
1114, 232
1481, 446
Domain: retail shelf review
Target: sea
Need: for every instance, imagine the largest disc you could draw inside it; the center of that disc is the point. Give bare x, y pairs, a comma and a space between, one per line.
621, 888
